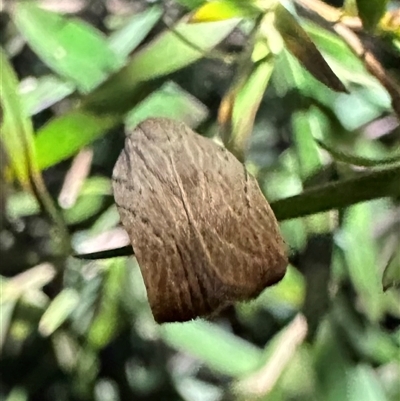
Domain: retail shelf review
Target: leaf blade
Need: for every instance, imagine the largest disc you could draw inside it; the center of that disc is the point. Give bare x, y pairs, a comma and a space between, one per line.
303, 48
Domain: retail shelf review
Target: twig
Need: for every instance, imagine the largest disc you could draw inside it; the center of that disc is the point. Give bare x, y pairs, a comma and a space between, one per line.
335, 195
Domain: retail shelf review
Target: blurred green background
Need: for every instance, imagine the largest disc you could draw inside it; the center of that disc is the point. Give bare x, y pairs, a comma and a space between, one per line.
75, 74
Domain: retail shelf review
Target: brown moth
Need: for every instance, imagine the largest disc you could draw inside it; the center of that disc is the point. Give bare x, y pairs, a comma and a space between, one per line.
202, 232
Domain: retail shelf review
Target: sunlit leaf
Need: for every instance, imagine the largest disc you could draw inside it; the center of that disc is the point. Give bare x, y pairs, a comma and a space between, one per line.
390, 24
219, 10
16, 127
187, 42
240, 105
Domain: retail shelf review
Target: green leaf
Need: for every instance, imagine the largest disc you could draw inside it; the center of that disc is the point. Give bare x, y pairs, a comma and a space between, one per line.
332, 366
127, 38
391, 275
245, 100
305, 127
169, 101
40, 93
64, 136
71, 48
107, 105
341, 57
371, 11
365, 385
219, 10
361, 258
58, 311
84, 208
16, 127
302, 47
107, 321
187, 42
218, 349
191, 4
90, 200
80, 128
368, 340
289, 293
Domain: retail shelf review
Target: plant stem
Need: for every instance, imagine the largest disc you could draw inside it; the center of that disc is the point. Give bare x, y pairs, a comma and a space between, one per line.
335, 195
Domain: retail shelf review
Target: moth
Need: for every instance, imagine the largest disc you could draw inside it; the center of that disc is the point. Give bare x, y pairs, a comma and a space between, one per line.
203, 233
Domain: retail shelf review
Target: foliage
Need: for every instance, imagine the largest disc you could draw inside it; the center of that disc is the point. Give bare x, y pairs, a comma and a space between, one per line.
297, 94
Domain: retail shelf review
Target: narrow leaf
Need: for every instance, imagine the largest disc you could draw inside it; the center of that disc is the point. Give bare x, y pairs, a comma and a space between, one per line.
302, 47
126, 39
43, 92
71, 48
218, 349
107, 105
187, 42
16, 127
304, 126
244, 101
58, 311
106, 323
362, 260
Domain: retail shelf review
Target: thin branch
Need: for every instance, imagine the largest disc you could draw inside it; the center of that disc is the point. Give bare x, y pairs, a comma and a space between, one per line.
335, 195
